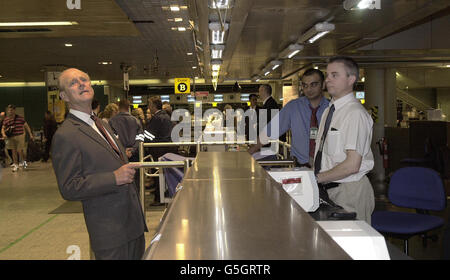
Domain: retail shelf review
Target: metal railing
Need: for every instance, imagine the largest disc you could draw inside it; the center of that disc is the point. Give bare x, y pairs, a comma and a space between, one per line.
160, 165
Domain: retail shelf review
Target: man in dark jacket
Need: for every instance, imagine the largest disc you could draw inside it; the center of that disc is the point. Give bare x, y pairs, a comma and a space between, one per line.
129, 130
130, 133
158, 130
91, 166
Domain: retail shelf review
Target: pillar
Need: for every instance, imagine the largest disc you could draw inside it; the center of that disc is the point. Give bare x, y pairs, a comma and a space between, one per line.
390, 98
375, 100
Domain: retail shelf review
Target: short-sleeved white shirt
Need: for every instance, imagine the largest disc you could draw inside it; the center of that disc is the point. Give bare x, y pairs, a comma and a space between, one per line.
350, 129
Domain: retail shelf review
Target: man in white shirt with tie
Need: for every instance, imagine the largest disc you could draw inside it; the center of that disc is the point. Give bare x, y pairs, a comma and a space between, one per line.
344, 155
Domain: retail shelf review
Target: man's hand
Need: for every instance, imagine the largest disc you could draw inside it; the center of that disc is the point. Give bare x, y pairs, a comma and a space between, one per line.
125, 174
129, 152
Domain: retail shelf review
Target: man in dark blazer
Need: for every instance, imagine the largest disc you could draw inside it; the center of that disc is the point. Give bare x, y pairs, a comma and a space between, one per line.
269, 103
91, 166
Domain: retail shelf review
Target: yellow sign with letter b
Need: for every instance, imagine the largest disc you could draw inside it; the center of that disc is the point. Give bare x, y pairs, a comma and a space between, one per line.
182, 85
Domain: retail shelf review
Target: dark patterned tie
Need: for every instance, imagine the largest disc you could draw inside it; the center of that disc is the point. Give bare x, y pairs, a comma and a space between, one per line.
101, 128
318, 159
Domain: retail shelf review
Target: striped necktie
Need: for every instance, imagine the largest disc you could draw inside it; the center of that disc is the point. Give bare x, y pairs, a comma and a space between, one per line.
101, 128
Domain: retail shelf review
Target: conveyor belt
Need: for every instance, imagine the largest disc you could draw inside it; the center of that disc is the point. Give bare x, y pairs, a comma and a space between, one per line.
230, 208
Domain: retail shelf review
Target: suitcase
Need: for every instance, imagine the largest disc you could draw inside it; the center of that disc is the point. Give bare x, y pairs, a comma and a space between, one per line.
34, 151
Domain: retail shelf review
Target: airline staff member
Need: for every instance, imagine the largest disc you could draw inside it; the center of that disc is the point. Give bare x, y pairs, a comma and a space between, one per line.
344, 157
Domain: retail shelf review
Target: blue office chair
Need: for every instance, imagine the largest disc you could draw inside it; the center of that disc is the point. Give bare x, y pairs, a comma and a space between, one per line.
419, 188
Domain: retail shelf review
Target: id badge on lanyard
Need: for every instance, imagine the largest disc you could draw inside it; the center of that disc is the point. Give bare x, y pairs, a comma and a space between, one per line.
313, 131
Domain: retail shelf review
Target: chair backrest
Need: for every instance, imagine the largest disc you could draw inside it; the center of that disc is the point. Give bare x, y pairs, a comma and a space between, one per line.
417, 187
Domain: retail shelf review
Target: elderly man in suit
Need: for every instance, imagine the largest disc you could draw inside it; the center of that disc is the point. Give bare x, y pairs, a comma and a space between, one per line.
91, 166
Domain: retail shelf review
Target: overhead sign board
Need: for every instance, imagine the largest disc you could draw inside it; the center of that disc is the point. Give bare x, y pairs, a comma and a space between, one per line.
182, 85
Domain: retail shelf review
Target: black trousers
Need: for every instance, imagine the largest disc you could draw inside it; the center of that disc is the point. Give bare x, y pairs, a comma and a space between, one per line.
46, 155
133, 250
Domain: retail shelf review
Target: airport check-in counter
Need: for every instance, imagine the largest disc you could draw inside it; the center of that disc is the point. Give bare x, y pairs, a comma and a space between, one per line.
229, 208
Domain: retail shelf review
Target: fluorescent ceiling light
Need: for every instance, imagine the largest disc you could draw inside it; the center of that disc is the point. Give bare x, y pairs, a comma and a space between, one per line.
217, 37
41, 23
215, 64
254, 78
291, 51
194, 67
178, 19
216, 54
316, 32
317, 37
105, 62
23, 84
68, 45
174, 8
217, 32
267, 73
275, 64
189, 53
216, 51
361, 4
221, 4
181, 28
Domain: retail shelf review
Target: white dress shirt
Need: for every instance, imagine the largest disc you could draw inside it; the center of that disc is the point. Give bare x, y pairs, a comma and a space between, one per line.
87, 119
350, 129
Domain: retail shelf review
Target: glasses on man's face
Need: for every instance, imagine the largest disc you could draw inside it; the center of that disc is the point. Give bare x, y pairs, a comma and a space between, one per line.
311, 85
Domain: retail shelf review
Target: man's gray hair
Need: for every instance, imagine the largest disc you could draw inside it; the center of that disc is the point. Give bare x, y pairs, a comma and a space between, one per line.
350, 65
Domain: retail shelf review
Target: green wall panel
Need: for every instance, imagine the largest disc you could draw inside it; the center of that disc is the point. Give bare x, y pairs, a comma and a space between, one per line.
34, 101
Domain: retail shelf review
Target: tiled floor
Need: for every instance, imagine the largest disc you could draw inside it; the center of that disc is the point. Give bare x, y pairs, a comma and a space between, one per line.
29, 230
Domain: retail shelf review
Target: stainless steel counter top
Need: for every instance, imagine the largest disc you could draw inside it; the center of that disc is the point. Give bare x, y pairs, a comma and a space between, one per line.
230, 208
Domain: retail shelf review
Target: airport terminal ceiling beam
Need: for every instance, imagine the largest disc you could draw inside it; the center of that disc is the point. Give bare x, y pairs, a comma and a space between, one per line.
202, 10
238, 20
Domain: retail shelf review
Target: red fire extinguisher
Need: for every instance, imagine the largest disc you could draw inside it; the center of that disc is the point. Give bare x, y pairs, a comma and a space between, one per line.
383, 146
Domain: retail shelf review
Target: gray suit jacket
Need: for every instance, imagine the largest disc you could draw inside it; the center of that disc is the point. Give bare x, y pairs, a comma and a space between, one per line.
84, 163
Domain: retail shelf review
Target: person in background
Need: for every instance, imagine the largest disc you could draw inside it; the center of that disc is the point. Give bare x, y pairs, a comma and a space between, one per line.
95, 107
138, 113
269, 104
110, 111
50, 127
130, 133
167, 107
148, 115
253, 98
158, 130
302, 116
16, 141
